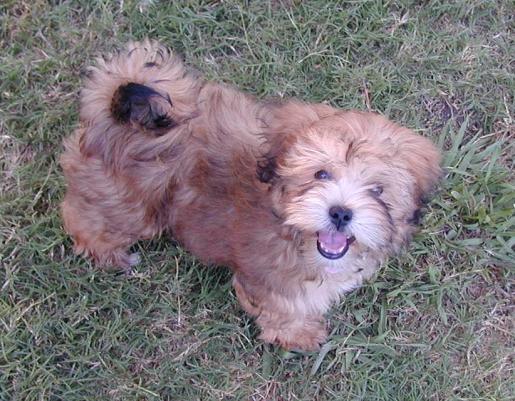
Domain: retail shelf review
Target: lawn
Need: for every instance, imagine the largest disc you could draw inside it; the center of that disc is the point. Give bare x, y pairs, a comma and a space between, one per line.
435, 324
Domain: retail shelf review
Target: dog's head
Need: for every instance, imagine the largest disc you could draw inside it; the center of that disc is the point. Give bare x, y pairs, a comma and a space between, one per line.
351, 183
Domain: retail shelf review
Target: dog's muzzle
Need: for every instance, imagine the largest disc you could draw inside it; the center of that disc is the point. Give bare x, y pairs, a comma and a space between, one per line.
333, 244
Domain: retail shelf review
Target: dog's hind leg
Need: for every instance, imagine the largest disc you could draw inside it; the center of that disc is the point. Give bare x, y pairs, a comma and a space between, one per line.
102, 216
102, 236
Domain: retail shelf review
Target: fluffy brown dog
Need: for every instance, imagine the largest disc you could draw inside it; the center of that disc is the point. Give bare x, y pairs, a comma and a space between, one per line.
302, 201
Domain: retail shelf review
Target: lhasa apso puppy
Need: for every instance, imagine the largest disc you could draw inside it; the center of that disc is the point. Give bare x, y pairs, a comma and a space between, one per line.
302, 201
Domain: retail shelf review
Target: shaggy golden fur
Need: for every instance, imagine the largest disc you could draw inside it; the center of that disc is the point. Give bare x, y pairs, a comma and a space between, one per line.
301, 201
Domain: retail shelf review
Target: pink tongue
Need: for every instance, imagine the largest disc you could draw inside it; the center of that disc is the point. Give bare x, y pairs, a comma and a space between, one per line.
332, 241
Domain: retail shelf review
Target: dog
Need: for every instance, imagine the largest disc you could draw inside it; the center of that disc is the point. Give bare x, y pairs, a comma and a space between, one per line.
302, 201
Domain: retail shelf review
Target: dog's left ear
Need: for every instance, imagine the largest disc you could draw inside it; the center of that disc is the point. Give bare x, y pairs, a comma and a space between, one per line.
422, 159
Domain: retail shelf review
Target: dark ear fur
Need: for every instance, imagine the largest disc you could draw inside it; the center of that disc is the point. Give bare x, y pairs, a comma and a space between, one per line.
267, 165
139, 104
267, 169
416, 217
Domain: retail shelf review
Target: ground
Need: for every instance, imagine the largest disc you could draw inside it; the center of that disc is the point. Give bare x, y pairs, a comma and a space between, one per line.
435, 324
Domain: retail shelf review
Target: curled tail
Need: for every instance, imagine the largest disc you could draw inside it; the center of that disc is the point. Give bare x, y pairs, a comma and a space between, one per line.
143, 106
143, 89
143, 71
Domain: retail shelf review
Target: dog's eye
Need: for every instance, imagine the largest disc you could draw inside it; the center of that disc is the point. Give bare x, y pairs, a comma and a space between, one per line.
377, 190
322, 175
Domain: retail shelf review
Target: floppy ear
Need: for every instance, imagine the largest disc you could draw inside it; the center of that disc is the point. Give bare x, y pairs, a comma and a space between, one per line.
284, 122
423, 162
421, 159
267, 169
277, 146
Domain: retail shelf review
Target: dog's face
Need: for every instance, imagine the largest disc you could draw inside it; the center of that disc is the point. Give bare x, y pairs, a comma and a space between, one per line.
352, 184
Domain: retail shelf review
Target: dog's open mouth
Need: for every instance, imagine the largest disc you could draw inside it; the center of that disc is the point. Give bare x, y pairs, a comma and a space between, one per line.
333, 244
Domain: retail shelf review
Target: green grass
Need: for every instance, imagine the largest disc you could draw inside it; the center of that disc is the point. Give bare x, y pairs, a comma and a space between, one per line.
436, 324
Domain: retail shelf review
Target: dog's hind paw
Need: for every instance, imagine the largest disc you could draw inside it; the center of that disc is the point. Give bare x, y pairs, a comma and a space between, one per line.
134, 259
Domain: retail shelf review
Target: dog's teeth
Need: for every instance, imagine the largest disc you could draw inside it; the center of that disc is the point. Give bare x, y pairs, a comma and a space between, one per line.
332, 251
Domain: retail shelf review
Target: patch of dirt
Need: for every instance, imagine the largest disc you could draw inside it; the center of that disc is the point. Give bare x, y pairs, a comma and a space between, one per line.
446, 109
442, 109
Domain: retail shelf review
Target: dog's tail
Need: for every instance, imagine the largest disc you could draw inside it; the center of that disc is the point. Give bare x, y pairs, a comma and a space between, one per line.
141, 105
145, 86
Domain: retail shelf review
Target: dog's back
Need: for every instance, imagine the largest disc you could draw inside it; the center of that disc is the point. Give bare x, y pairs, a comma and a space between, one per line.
147, 126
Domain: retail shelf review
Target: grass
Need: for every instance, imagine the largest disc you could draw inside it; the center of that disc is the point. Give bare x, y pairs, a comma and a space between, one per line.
436, 324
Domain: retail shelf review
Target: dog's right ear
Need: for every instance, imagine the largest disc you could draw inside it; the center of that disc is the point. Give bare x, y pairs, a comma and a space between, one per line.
276, 145
273, 158
285, 121
267, 169
143, 106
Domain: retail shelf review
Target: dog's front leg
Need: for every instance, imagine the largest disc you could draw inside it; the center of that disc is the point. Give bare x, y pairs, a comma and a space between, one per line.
292, 331
283, 321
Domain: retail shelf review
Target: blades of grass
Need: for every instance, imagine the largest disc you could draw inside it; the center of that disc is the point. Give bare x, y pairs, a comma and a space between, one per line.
452, 156
326, 348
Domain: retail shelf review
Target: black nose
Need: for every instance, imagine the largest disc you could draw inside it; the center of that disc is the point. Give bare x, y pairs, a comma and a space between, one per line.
340, 217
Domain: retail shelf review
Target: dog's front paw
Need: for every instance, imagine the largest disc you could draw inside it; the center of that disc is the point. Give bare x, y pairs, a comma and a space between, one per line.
307, 336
